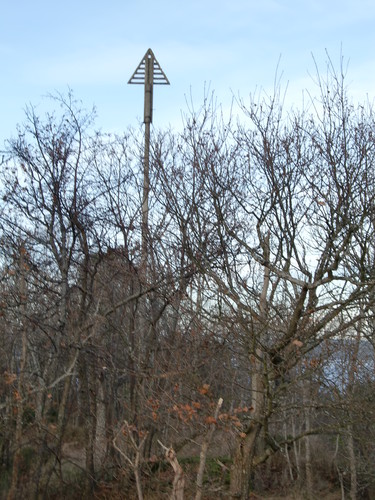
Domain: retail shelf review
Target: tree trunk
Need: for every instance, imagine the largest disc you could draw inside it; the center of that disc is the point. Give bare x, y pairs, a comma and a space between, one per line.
56, 439
352, 462
88, 417
308, 464
295, 448
241, 470
203, 454
286, 451
20, 393
100, 434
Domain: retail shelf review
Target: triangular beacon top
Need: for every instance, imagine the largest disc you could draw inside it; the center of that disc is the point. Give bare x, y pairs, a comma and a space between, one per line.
157, 75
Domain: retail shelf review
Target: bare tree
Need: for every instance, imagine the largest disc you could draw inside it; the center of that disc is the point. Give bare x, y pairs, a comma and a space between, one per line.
271, 214
257, 287
48, 202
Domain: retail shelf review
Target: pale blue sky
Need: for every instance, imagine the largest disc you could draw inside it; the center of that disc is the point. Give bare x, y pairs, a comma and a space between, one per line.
234, 46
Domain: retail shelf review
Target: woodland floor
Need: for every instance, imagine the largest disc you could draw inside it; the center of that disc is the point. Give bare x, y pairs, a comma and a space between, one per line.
157, 478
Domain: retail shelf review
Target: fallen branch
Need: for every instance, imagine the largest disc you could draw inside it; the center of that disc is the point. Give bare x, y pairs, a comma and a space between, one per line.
179, 478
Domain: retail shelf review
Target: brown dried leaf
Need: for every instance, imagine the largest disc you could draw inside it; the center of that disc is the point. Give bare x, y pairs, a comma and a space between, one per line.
297, 343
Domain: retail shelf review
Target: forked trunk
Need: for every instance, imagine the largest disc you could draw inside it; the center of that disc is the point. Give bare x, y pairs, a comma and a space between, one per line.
241, 470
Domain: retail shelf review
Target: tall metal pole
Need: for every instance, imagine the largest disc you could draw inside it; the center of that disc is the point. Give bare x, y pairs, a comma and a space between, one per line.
149, 78
146, 192
148, 73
